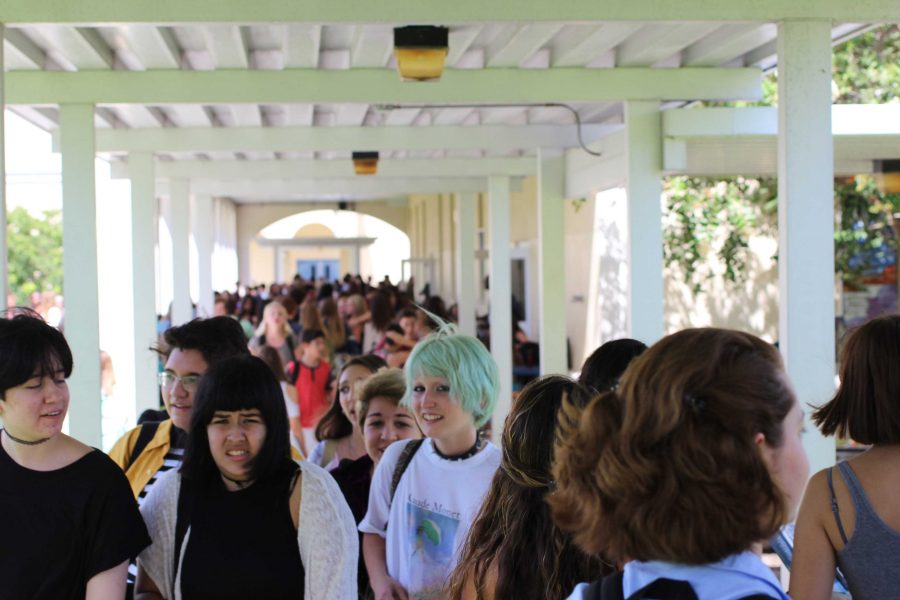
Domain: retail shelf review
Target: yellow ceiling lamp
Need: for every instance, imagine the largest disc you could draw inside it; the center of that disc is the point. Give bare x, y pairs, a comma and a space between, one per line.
887, 176
420, 51
365, 163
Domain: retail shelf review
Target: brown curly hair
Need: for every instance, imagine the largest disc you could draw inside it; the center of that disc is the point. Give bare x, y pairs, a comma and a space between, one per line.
666, 467
513, 534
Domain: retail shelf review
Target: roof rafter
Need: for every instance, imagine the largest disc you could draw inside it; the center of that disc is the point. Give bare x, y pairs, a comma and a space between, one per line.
381, 85
438, 11
299, 139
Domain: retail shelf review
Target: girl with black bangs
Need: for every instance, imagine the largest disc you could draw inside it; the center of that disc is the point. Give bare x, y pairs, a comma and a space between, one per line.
232, 513
70, 522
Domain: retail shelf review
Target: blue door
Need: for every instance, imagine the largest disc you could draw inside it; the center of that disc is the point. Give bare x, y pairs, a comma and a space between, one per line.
316, 269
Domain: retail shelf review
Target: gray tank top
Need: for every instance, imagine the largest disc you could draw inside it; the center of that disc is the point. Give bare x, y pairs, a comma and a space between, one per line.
870, 559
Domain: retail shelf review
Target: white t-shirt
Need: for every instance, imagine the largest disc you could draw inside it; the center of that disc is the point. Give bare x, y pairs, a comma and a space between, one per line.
435, 504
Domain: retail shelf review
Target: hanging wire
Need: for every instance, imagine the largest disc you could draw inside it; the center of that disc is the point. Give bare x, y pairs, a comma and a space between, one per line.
578, 126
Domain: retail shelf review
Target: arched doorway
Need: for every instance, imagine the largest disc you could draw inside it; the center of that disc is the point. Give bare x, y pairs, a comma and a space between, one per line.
334, 242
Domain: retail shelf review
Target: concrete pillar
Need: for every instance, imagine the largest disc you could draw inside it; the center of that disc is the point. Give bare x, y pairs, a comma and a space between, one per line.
501, 296
806, 220
643, 152
4, 260
202, 223
179, 224
465, 261
143, 241
552, 262
82, 317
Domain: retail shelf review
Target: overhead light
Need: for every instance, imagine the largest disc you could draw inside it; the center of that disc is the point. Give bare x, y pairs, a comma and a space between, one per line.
365, 163
887, 176
420, 51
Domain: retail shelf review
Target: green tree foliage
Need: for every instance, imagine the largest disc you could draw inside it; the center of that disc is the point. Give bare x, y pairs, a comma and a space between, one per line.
714, 219
35, 253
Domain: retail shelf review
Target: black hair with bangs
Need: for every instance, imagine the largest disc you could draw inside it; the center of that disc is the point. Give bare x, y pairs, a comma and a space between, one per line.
30, 347
232, 384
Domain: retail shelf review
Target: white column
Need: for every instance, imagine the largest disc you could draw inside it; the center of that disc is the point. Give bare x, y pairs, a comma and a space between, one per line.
4, 260
179, 224
143, 241
354, 259
501, 296
279, 263
202, 223
643, 151
806, 220
82, 317
552, 261
465, 261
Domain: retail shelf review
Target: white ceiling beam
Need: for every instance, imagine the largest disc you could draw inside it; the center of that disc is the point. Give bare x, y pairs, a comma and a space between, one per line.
21, 50
228, 170
299, 139
527, 40
658, 41
461, 39
727, 43
381, 85
228, 45
576, 51
301, 46
155, 47
372, 46
440, 12
82, 47
350, 187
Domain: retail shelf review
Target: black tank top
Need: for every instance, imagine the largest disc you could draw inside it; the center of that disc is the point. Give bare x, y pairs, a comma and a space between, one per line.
243, 544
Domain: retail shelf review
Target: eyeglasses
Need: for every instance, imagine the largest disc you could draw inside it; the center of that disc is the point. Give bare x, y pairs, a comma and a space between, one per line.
188, 382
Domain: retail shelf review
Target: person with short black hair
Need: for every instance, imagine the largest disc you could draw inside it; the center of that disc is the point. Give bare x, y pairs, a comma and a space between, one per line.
602, 369
240, 518
154, 447
693, 460
848, 519
70, 524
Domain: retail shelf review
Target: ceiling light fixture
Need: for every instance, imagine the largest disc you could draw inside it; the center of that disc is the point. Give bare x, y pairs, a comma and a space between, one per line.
420, 51
365, 163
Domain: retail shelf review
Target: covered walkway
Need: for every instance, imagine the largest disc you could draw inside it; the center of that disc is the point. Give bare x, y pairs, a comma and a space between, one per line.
219, 110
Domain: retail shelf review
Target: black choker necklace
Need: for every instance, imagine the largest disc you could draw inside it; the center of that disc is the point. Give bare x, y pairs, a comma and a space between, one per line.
23, 442
479, 444
244, 483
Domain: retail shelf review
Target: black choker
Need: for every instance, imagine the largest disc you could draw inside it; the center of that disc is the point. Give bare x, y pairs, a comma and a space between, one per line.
23, 442
479, 444
241, 484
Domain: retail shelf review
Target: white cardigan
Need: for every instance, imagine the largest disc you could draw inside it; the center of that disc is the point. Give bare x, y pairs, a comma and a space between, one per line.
326, 536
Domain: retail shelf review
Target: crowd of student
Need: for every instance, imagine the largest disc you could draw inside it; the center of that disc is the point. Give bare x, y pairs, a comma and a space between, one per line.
332, 442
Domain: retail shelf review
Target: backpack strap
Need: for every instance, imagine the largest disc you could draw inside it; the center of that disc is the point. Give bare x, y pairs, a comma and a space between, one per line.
293, 372
608, 588
187, 500
406, 456
148, 430
665, 589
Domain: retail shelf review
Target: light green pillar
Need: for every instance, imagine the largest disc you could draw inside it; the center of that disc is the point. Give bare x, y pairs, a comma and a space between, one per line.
552, 261
806, 221
643, 150
82, 319
4, 257
501, 296
465, 261
143, 242
202, 223
179, 226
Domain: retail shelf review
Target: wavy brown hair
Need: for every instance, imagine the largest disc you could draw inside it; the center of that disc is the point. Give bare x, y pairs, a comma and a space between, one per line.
667, 467
513, 534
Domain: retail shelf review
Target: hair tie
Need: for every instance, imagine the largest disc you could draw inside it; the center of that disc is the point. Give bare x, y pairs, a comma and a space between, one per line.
693, 403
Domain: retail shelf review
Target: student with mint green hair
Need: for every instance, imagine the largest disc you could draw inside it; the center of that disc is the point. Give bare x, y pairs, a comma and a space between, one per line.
426, 493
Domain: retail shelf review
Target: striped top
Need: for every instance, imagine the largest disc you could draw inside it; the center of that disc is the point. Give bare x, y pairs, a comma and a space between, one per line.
171, 461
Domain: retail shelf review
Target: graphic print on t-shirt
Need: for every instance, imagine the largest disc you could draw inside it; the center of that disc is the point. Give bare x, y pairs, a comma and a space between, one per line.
432, 543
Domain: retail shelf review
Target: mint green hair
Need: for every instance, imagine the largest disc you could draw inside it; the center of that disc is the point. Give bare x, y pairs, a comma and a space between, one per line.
464, 362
